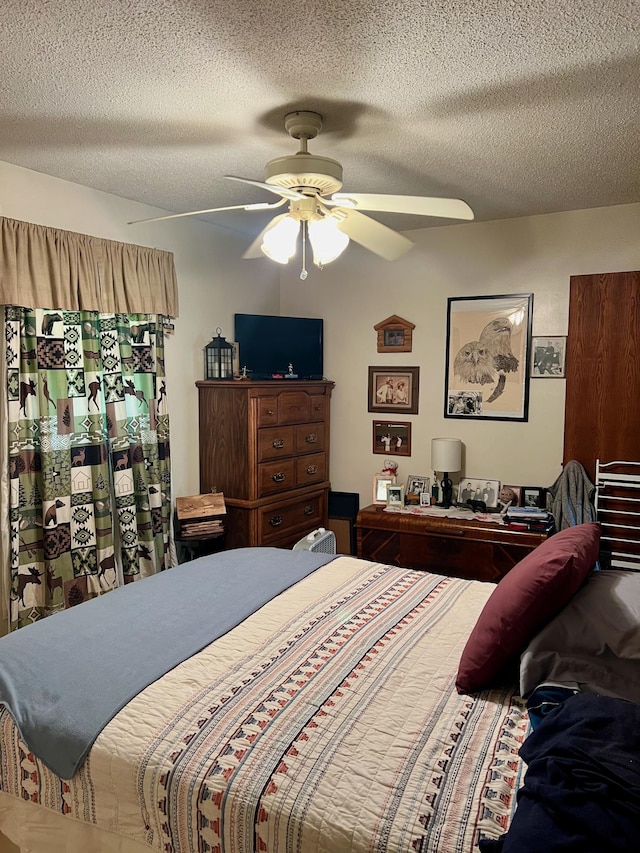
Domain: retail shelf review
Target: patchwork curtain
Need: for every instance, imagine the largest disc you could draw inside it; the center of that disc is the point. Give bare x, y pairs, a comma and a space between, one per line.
89, 464
85, 488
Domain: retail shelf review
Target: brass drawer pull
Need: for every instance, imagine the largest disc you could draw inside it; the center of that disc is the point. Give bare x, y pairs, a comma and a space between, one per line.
280, 477
309, 510
275, 520
270, 412
278, 443
312, 469
311, 438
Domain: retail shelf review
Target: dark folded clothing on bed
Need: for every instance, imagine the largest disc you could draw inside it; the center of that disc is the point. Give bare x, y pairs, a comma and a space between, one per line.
582, 787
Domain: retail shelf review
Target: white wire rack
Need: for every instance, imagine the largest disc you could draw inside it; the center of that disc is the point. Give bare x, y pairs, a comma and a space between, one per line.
617, 504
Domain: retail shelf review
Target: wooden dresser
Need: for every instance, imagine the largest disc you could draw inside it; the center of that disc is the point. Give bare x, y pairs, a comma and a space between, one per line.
476, 550
266, 446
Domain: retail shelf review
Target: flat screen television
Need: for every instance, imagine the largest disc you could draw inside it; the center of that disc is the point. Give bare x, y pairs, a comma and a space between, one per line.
269, 344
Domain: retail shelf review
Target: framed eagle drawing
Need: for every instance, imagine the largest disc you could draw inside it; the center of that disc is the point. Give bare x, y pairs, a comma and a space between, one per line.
487, 358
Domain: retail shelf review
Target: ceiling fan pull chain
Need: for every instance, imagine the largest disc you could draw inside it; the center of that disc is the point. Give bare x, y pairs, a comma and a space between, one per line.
303, 271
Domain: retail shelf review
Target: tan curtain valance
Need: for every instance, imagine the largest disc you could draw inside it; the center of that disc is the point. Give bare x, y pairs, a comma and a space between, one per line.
43, 267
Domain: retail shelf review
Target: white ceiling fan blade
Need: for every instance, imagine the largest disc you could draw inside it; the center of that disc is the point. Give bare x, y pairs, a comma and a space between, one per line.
254, 250
258, 206
282, 191
449, 208
371, 234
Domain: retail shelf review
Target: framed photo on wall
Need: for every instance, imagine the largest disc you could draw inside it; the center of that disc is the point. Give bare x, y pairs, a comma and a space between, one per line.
548, 355
394, 334
394, 389
487, 357
392, 439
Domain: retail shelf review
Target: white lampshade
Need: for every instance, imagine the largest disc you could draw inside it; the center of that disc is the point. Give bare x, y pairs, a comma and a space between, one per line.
279, 242
327, 241
446, 454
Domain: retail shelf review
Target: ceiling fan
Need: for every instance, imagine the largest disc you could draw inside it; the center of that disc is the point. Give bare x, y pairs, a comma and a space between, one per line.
329, 218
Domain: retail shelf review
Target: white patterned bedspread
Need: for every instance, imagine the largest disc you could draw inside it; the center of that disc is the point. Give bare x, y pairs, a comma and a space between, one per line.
327, 722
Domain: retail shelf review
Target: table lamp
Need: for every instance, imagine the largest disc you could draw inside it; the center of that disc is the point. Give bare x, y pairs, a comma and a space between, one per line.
446, 456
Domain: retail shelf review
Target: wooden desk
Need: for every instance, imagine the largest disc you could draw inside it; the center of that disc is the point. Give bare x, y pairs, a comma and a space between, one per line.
476, 550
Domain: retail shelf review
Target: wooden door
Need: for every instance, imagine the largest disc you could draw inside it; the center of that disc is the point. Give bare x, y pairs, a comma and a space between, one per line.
602, 409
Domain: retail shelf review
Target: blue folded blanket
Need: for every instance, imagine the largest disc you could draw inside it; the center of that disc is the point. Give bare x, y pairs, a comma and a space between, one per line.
65, 677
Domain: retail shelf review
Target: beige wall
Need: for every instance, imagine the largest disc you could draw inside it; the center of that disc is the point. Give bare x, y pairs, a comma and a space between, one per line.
214, 282
535, 254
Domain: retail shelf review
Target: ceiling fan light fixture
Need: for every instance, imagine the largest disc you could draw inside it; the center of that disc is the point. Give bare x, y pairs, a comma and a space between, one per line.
279, 242
327, 241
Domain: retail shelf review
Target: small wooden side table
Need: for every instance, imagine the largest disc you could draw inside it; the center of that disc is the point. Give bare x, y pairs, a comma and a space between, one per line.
199, 526
476, 550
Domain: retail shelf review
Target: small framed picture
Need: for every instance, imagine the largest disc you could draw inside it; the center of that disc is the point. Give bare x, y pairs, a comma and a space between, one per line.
235, 357
535, 496
486, 491
511, 495
392, 439
417, 484
380, 483
395, 496
425, 499
394, 389
548, 355
394, 334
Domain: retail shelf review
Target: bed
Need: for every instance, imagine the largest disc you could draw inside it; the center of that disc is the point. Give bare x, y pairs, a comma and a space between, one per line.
335, 718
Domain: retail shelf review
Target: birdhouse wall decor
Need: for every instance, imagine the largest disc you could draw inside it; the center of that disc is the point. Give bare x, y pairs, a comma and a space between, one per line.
218, 358
394, 334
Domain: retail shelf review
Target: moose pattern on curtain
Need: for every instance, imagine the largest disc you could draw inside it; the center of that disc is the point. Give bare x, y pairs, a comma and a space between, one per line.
89, 462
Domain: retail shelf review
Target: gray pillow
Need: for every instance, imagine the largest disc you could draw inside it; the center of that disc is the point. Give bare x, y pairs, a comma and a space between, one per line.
594, 641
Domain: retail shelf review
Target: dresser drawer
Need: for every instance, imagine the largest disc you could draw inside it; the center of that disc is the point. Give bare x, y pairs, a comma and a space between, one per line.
309, 438
293, 407
288, 517
276, 442
267, 411
311, 469
318, 405
276, 477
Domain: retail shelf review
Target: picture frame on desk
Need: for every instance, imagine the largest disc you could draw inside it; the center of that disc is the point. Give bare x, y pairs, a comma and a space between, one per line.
395, 496
510, 495
477, 489
380, 484
416, 485
535, 496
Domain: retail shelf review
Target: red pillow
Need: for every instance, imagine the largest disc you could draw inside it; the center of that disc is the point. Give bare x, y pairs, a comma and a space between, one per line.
532, 593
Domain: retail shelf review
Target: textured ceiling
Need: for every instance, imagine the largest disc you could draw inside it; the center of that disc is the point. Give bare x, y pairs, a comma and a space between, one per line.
517, 107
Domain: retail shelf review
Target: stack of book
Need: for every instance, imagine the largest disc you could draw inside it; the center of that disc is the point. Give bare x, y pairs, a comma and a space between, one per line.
200, 516
529, 518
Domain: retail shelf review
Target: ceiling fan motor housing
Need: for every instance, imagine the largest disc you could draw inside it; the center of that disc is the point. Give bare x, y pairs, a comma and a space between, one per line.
304, 171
